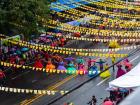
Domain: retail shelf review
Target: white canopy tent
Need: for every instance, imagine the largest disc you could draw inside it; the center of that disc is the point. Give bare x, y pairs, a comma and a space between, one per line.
129, 80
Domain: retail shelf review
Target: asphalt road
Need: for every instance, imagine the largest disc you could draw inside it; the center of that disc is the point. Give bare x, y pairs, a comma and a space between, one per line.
45, 100
31, 80
39, 80
96, 87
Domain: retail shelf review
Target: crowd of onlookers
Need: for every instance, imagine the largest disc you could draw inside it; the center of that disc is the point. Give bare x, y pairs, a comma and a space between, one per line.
116, 96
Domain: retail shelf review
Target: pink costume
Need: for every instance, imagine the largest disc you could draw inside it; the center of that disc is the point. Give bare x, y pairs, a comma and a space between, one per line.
82, 69
120, 71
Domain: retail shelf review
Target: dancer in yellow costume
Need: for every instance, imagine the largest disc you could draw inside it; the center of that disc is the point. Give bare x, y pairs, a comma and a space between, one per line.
114, 44
106, 73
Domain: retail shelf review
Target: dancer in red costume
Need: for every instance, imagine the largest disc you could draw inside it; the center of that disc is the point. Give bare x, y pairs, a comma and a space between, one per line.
38, 64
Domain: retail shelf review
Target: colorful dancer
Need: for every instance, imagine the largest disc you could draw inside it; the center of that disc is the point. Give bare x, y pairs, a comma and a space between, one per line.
113, 59
63, 40
38, 64
105, 73
80, 61
120, 71
93, 71
101, 64
127, 64
61, 66
82, 69
71, 69
114, 44
50, 65
90, 62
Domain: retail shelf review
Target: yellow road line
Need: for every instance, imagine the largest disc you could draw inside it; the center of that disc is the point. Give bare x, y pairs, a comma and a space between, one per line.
29, 101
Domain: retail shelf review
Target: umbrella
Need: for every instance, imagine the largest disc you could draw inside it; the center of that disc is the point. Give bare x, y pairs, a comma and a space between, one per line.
15, 54
43, 35
127, 63
108, 103
59, 34
18, 52
123, 90
77, 34
24, 49
49, 36
110, 89
69, 58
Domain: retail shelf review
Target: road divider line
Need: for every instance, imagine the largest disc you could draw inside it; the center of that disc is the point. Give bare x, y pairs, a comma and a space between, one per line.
134, 58
102, 81
29, 101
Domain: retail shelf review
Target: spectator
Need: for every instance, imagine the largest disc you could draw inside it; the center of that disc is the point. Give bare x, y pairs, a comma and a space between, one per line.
93, 101
2, 77
107, 101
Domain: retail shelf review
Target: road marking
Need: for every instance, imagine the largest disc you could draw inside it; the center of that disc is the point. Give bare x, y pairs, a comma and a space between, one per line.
102, 81
29, 101
134, 59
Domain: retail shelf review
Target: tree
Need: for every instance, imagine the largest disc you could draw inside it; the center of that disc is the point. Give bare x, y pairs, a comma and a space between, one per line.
21, 16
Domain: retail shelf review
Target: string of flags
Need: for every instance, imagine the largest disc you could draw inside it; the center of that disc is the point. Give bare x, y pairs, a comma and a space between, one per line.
90, 31
94, 18
88, 8
31, 91
122, 23
66, 51
128, 40
111, 4
51, 71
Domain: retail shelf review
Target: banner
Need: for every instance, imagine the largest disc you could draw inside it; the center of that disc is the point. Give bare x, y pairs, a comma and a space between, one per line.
5, 41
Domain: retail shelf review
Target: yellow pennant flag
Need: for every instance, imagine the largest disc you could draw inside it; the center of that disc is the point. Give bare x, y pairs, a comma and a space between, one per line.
18, 90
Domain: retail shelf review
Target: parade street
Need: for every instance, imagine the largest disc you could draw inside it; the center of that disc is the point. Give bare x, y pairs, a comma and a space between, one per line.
69, 52
39, 80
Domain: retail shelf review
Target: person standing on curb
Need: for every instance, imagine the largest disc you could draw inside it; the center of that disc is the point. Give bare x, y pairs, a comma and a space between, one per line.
93, 101
2, 77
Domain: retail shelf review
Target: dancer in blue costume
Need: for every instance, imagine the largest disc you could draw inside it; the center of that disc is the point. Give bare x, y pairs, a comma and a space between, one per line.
71, 68
93, 71
61, 66
101, 64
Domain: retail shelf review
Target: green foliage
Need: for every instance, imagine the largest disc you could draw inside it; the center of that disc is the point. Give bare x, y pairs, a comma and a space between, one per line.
22, 12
